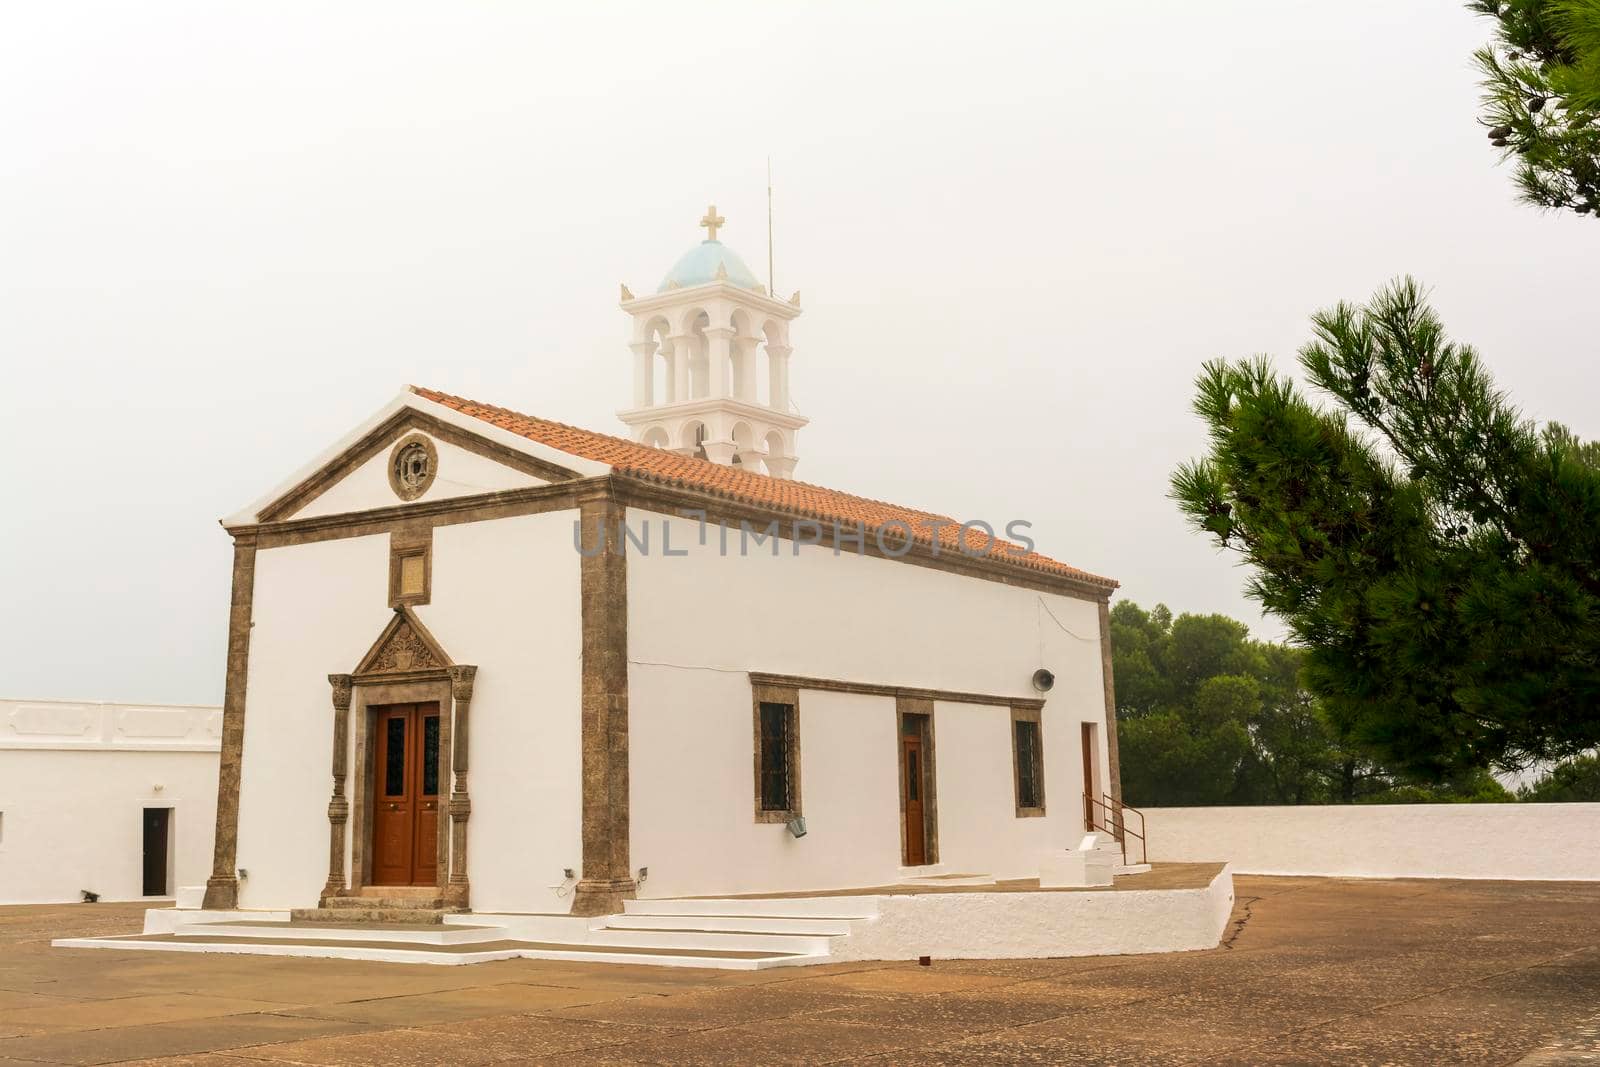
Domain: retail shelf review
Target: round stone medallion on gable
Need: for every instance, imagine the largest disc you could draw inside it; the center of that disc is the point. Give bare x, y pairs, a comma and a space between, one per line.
413, 464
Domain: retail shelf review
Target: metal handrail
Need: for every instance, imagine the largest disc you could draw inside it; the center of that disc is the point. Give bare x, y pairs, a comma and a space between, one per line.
1115, 824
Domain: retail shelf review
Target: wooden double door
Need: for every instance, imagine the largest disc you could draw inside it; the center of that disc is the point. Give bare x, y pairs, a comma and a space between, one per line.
405, 795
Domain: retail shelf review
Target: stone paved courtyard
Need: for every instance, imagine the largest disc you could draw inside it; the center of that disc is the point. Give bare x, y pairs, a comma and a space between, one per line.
1315, 971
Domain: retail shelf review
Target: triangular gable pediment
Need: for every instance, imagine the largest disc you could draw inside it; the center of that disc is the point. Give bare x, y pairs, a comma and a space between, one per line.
472, 456
404, 646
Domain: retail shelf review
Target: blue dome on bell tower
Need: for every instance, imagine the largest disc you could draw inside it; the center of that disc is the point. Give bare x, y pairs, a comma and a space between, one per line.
709, 261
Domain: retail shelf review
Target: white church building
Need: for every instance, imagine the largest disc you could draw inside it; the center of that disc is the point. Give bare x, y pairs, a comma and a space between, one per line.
482, 662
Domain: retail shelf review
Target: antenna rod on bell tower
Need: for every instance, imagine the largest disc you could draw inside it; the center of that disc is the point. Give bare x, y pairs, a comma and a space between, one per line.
772, 289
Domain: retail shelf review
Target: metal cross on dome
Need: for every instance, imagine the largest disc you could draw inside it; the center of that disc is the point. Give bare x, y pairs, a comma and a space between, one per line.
711, 222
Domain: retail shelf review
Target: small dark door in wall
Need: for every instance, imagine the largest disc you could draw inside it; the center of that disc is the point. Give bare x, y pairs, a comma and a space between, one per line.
405, 795
914, 787
1090, 796
157, 841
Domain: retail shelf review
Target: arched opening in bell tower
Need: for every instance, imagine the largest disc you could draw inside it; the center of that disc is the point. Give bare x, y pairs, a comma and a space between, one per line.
772, 384
658, 331
744, 440
699, 346
694, 438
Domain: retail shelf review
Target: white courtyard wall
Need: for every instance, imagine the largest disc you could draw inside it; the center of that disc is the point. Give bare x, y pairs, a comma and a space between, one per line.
75, 779
460, 473
697, 624
505, 598
1511, 841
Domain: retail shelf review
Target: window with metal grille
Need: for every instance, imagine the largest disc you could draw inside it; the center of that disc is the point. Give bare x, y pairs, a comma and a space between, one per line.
1030, 765
777, 756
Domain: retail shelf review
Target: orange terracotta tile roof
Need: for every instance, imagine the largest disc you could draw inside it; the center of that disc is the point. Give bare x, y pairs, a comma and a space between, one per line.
746, 486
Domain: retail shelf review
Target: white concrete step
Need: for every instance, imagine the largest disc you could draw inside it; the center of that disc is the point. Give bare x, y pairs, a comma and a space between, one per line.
707, 940
744, 924
165, 920
921, 872
1108, 845
842, 907
949, 879
432, 935
335, 950
646, 958
448, 955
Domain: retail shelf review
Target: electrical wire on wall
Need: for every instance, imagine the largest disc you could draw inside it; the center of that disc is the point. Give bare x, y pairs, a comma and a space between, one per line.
689, 666
1060, 625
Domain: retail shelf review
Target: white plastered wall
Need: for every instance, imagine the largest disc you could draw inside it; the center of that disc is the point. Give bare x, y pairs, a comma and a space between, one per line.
505, 599
317, 608
460, 473
75, 779
698, 623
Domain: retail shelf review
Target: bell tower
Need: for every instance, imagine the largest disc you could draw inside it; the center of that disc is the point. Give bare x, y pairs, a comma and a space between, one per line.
711, 362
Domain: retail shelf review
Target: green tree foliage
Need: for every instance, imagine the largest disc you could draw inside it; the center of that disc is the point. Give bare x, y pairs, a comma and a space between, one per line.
1473, 787
1208, 716
1435, 554
1578, 779
1541, 79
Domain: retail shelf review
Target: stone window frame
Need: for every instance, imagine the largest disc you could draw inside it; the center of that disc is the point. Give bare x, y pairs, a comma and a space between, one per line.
401, 548
790, 696
1035, 716
403, 492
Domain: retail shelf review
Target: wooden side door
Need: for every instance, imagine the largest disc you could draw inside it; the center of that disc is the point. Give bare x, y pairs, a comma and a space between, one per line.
1090, 795
912, 786
393, 802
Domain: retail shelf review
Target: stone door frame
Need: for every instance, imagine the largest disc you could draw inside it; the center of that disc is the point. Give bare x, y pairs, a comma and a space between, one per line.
404, 666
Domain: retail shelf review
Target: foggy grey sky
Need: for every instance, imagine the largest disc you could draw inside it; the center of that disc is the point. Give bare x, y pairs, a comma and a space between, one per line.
230, 232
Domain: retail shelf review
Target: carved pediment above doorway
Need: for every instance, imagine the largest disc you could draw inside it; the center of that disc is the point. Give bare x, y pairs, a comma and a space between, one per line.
405, 647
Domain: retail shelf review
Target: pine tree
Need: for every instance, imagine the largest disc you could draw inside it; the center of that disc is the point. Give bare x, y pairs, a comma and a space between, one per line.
1435, 553
1575, 781
1541, 80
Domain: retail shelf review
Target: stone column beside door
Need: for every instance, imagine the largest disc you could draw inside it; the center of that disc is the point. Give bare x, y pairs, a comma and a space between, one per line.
339, 804
458, 889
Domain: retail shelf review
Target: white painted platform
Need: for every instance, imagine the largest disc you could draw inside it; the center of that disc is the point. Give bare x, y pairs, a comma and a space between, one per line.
738, 933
